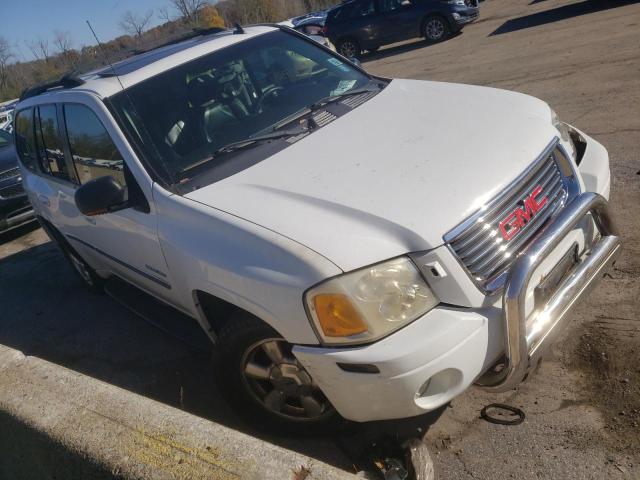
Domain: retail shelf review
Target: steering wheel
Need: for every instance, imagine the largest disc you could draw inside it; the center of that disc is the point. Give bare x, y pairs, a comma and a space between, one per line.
270, 92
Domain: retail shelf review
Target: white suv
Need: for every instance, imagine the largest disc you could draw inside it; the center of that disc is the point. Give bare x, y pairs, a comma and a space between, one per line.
350, 244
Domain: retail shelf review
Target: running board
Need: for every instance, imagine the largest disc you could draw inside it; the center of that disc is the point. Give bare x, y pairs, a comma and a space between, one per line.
160, 315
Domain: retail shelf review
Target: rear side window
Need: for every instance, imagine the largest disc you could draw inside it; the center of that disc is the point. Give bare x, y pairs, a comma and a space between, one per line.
49, 142
25, 140
363, 9
94, 153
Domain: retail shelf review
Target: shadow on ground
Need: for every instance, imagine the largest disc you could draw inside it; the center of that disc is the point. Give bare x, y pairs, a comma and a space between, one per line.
400, 48
16, 233
557, 14
27, 453
47, 313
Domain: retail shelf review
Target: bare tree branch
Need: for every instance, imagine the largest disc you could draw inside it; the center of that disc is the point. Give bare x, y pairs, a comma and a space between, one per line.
164, 15
62, 41
5, 56
134, 24
39, 48
188, 9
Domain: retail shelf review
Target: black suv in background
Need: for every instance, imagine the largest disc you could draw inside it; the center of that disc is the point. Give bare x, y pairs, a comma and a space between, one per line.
15, 208
359, 25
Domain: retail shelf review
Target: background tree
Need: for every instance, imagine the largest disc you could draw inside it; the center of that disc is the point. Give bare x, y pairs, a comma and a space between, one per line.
5, 56
62, 41
134, 24
55, 54
210, 17
39, 48
189, 10
164, 15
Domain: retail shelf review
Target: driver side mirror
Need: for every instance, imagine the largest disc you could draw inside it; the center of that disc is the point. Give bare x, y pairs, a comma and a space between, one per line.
101, 195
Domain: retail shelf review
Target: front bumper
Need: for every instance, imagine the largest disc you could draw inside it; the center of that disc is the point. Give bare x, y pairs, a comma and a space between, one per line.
529, 335
464, 15
437, 357
450, 346
15, 209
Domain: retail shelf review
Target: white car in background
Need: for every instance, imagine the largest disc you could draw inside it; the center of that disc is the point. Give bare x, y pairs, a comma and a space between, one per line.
6, 118
311, 27
352, 245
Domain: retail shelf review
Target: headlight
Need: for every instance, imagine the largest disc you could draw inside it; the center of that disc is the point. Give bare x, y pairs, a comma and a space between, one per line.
565, 133
368, 304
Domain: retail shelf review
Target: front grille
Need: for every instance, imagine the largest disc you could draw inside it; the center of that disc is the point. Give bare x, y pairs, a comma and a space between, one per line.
11, 191
479, 243
13, 172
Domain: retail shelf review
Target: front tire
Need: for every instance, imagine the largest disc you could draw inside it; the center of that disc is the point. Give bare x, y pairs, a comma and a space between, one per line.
92, 281
264, 382
349, 48
435, 29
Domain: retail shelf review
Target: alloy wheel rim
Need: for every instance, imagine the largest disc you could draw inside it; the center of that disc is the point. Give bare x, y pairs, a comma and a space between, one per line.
348, 49
280, 384
435, 29
81, 268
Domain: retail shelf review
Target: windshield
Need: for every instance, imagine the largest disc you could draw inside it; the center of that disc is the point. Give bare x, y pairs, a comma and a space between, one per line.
185, 115
5, 138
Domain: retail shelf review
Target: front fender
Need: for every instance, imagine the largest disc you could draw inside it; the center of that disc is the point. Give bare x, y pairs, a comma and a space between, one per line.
253, 268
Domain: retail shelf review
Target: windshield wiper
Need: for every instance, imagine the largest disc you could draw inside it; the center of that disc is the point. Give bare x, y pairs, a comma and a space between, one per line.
247, 142
339, 96
251, 141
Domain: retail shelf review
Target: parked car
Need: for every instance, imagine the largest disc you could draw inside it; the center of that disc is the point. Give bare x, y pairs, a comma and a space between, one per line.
365, 272
316, 17
359, 25
6, 120
312, 27
15, 208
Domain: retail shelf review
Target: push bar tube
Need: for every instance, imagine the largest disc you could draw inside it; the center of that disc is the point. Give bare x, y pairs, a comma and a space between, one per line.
525, 344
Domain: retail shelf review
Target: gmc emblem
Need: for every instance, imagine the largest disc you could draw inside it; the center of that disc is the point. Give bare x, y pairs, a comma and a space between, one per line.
516, 220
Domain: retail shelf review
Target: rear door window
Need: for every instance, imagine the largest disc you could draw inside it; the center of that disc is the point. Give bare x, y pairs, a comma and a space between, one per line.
387, 6
25, 140
93, 152
363, 9
49, 143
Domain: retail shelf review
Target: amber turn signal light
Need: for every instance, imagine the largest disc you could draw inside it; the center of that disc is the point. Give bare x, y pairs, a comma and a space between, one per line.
337, 316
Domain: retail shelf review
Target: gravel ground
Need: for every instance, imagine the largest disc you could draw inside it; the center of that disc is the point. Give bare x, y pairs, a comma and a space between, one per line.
582, 406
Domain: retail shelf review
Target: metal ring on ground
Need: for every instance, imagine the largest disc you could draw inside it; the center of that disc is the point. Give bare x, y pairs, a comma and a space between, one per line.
500, 421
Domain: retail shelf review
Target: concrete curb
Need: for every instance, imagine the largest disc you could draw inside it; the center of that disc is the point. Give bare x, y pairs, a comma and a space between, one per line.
57, 423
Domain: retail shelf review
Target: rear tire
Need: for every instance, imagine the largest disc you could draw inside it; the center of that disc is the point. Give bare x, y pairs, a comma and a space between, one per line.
435, 28
264, 382
349, 48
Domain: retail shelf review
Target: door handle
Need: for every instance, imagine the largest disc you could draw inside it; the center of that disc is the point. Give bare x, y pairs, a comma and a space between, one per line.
44, 200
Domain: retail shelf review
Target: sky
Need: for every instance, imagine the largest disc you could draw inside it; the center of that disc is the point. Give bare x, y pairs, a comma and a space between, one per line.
25, 20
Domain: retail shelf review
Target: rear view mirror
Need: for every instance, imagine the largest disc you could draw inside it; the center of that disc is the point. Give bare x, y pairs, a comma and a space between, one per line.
101, 195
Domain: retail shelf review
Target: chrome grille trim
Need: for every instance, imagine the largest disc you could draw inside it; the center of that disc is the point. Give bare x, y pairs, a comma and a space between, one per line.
12, 191
477, 242
12, 172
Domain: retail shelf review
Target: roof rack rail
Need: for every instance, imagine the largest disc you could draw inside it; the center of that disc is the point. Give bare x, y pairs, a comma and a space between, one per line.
193, 33
68, 80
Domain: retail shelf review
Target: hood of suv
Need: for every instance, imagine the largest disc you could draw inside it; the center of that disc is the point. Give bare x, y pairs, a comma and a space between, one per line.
395, 174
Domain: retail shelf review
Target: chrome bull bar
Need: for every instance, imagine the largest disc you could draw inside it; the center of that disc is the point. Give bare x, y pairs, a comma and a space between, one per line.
526, 341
